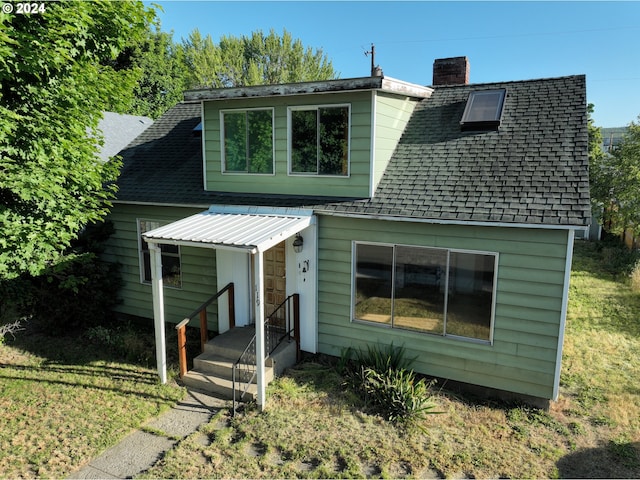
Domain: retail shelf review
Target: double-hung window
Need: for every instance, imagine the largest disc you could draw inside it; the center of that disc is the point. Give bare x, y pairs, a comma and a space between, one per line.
247, 141
432, 290
171, 271
319, 140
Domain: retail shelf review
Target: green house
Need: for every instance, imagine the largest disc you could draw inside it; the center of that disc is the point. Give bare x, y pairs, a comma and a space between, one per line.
439, 218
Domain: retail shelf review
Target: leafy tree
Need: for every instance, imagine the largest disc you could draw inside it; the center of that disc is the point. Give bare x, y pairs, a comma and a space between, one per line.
56, 78
257, 59
599, 169
615, 179
625, 182
163, 73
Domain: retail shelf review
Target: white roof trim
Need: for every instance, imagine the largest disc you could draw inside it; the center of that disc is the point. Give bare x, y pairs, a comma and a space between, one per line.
232, 228
386, 84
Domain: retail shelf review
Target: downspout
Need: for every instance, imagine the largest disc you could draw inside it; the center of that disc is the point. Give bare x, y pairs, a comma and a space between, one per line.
260, 343
158, 310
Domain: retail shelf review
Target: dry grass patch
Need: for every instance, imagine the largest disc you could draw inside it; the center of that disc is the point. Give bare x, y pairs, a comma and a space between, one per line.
315, 428
62, 404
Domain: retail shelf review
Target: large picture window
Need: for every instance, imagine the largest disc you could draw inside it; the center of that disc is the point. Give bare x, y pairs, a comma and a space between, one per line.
171, 274
431, 290
247, 138
319, 142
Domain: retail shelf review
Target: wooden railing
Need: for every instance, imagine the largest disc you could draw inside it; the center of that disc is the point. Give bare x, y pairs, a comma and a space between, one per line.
201, 311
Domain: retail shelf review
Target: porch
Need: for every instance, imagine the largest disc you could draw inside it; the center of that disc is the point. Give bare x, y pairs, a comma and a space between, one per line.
262, 254
225, 368
227, 365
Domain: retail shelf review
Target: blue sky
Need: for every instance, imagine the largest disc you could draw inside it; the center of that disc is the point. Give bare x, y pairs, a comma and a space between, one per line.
503, 40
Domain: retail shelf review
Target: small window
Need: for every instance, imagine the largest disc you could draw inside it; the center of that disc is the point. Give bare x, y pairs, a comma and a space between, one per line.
429, 290
171, 271
483, 110
247, 139
319, 142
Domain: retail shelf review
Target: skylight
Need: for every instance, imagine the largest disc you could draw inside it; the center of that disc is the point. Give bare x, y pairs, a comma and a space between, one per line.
483, 110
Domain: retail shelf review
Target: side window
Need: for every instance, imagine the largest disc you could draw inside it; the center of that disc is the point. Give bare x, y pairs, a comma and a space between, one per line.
171, 274
319, 140
431, 290
247, 141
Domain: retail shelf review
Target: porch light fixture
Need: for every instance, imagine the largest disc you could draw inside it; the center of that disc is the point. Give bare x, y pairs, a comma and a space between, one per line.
297, 243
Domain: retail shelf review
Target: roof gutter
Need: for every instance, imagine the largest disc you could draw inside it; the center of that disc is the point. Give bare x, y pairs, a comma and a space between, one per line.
388, 218
156, 204
436, 221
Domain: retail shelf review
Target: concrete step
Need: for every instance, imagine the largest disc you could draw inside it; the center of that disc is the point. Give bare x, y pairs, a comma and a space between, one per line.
218, 386
231, 344
212, 369
220, 366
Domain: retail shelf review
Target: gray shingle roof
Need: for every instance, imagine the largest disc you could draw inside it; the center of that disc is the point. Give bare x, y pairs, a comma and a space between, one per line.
118, 130
164, 166
532, 170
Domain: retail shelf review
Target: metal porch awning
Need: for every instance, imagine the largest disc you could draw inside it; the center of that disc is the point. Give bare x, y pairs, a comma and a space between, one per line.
251, 229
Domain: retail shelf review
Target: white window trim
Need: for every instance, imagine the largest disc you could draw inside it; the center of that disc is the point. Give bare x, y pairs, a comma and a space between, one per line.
141, 255
290, 137
444, 335
223, 161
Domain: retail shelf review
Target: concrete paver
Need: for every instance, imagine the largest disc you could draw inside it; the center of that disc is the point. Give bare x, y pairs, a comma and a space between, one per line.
141, 450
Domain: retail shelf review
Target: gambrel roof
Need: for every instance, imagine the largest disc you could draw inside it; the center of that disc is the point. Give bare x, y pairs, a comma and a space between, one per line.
531, 170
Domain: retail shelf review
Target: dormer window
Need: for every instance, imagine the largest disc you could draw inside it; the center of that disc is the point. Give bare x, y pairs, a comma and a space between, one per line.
319, 140
247, 139
483, 110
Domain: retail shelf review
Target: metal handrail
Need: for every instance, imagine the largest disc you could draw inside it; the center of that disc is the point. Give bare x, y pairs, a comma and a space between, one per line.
251, 368
271, 338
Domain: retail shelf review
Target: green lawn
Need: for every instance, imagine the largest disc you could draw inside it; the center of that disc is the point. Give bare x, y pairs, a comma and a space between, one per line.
63, 405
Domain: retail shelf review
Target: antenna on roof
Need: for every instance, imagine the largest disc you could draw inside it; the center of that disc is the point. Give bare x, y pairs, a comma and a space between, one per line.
376, 71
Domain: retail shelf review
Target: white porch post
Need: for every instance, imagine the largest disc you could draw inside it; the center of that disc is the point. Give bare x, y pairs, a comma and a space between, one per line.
158, 310
260, 343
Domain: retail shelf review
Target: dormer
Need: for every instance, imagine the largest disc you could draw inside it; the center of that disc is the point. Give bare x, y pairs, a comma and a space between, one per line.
327, 138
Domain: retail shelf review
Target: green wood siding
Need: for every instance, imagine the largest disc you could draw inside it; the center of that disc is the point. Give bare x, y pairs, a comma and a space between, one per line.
355, 185
528, 302
198, 267
392, 115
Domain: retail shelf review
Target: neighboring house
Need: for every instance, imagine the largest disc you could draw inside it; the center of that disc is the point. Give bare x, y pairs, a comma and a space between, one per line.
118, 130
438, 218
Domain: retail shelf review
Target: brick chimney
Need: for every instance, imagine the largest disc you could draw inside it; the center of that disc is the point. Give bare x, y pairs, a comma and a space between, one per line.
451, 71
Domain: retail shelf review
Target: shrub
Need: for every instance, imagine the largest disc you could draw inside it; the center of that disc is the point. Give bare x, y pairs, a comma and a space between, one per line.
16, 299
378, 357
77, 292
382, 378
398, 395
617, 258
635, 277
126, 341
